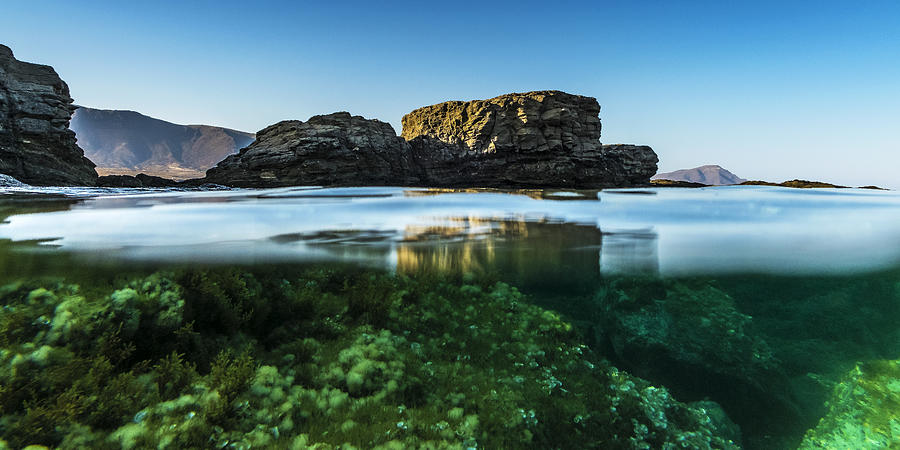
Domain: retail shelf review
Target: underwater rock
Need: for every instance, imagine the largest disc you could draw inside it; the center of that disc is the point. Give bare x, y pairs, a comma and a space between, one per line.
863, 412
692, 339
36, 145
320, 358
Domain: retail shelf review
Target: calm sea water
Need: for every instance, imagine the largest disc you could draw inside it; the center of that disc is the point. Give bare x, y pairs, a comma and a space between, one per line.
752, 317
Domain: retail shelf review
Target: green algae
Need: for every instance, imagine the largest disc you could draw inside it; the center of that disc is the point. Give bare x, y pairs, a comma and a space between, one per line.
320, 357
864, 410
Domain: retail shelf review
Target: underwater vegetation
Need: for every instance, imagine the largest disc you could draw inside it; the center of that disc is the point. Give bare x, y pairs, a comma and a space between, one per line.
691, 336
769, 349
318, 357
864, 410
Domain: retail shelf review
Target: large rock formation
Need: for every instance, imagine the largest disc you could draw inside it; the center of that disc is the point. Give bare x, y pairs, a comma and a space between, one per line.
537, 139
36, 145
540, 139
334, 149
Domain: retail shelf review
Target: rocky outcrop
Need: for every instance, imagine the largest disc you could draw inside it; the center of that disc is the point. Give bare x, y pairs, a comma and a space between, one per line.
140, 180
334, 149
36, 145
537, 139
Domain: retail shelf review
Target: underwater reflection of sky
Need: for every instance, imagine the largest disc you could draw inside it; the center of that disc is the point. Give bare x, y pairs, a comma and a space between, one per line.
683, 231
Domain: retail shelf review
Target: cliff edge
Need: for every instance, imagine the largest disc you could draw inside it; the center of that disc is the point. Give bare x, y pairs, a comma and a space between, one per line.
36, 145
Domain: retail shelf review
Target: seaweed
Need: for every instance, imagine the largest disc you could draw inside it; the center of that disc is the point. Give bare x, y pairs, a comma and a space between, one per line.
317, 356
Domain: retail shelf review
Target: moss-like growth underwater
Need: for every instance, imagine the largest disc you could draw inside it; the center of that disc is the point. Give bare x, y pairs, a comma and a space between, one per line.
316, 358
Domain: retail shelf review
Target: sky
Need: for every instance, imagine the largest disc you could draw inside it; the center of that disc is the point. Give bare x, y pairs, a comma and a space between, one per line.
771, 90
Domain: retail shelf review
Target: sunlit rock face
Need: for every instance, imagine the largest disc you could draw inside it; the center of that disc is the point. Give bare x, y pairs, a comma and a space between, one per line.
541, 138
537, 139
36, 145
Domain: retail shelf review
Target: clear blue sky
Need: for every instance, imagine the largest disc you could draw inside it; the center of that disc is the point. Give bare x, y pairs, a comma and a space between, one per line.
771, 90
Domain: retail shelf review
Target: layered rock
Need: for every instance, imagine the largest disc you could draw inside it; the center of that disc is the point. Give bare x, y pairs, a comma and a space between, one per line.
537, 139
36, 145
333, 149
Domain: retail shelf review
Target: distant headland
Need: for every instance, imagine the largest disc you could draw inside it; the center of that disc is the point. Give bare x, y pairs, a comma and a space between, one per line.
715, 175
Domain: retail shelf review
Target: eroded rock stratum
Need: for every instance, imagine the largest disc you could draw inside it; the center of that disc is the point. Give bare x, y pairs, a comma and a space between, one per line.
36, 145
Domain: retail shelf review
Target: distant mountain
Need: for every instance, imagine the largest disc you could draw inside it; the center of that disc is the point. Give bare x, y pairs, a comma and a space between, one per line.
127, 142
710, 175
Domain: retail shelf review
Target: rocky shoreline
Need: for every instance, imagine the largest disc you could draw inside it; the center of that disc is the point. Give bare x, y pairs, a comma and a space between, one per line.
527, 140
539, 139
534, 139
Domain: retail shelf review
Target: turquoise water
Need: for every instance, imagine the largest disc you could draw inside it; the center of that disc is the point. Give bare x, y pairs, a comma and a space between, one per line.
725, 317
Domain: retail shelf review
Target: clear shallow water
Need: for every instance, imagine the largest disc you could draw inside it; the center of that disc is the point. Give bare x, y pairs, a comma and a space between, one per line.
670, 231
728, 314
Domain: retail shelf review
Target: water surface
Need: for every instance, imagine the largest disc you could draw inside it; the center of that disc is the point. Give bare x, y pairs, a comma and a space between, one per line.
747, 307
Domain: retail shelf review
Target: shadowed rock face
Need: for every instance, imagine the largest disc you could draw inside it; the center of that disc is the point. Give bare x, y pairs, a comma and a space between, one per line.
537, 139
36, 145
542, 139
334, 149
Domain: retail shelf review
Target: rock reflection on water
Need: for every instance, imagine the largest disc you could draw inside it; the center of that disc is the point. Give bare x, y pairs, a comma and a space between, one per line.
630, 252
533, 253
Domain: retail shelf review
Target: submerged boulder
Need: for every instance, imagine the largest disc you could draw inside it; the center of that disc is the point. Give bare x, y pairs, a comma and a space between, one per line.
692, 338
864, 410
536, 139
36, 145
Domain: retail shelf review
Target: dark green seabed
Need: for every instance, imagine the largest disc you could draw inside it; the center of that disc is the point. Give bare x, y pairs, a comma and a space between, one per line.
322, 357
517, 336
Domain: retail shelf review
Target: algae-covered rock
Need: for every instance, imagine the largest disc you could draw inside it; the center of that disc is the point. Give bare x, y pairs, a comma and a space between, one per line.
540, 138
318, 358
691, 338
864, 410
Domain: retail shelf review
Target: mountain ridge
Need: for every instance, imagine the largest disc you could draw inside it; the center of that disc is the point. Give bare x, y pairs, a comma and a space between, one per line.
126, 142
710, 174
